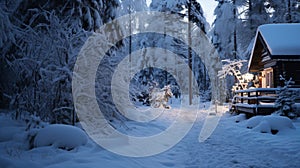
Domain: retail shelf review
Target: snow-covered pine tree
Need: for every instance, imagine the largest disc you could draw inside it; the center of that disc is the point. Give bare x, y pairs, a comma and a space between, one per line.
196, 16
284, 11
286, 99
117, 53
192, 11
224, 28
253, 14
181, 7
224, 34
242, 17
131, 6
41, 48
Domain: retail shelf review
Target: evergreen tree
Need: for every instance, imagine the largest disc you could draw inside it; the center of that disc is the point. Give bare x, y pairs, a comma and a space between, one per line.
40, 50
254, 14
286, 99
223, 29
182, 7
284, 11
190, 10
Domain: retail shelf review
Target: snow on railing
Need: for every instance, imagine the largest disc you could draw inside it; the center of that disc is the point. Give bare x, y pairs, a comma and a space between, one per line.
258, 90
258, 100
255, 100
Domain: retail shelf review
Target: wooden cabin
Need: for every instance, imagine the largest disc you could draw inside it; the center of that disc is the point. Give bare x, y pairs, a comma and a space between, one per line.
276, 51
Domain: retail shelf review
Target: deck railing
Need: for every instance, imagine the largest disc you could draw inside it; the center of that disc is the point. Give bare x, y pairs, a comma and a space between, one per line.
255, 101
259, 101
257, 95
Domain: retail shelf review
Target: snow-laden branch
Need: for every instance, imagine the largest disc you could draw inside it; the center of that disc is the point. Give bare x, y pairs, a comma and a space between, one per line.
231, 67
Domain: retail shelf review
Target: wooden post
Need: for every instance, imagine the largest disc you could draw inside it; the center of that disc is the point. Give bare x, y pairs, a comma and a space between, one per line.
256, 94
248, 98
242, 100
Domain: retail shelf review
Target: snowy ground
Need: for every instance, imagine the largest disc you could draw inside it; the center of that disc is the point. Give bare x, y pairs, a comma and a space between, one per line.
230, 145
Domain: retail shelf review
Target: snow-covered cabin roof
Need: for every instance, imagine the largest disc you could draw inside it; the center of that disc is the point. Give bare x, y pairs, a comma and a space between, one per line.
279, 41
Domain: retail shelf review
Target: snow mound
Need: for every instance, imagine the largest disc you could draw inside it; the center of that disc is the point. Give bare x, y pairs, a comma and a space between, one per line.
60, 136
240, 117
9, 128
8, 133
6, 162
270, 124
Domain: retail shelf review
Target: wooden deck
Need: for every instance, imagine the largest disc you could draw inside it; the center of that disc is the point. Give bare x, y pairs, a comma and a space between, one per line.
258, 101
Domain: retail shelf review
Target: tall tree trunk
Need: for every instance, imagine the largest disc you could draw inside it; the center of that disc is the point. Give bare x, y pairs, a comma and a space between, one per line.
288, 14
130, 38
190, 54
234, 31
250, 14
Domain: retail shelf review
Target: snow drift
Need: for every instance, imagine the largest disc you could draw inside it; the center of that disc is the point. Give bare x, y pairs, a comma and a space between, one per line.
60, 136
270, 124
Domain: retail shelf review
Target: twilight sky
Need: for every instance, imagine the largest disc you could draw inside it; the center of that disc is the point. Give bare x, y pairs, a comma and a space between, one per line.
208, 7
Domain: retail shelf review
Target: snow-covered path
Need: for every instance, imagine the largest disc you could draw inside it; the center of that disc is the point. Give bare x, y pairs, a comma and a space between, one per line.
230, 145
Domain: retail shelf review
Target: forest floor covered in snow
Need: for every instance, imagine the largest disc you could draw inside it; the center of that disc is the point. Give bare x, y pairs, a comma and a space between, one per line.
231, 144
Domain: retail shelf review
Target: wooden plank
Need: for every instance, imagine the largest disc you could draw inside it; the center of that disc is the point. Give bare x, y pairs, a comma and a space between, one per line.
245, 109
254, 109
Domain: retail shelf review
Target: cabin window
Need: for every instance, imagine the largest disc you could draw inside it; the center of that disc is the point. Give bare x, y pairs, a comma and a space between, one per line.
269, 82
